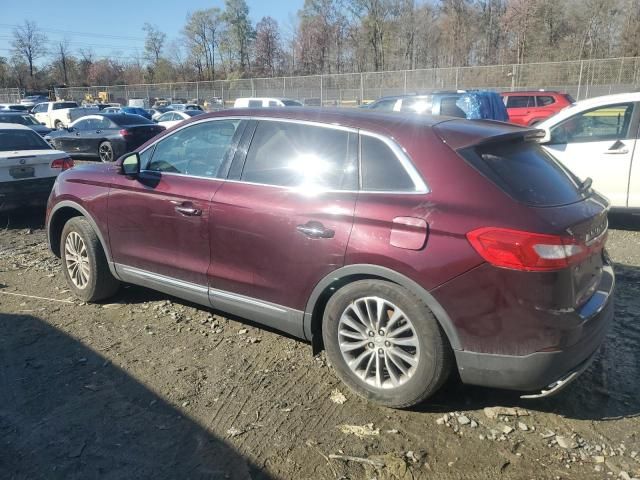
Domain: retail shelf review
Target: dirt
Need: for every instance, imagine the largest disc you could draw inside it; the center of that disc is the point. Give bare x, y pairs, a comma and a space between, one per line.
149, 386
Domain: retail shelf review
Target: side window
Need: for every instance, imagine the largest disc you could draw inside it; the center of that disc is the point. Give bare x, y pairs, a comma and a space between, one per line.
519, 101
166, 117
597, 125
417, 105
273, 103
103, 124
255, 103
40, 108
381, 168
384, 105
543, 101
84, 124
293, 155
199, 150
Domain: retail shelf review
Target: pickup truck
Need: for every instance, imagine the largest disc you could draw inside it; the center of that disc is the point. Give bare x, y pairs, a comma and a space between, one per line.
60, 114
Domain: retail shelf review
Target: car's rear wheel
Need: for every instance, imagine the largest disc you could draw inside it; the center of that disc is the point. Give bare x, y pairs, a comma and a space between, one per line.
385, 343
84, 263
105, 150
58, 125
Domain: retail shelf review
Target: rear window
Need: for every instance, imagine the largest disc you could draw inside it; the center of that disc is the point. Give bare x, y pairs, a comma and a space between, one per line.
519, 101
11, 140
526, 172
59, 106
544, 100
129, 119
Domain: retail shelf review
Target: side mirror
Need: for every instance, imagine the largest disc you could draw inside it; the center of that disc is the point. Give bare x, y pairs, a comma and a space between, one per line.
130, 165
546, 138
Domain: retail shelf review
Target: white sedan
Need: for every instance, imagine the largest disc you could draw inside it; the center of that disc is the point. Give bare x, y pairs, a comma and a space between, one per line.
28, 167
597, 138
174, 117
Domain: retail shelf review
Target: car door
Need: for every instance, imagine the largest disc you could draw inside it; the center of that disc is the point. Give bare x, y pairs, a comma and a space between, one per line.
519, 108
599, 143
159, 221
40, 112
282, 220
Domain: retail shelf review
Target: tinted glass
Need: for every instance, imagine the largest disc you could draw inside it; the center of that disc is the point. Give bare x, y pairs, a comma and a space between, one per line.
125, 119
166, 117
545, 100
59, 106
381, 168
193, 113
20, 119
384, 105
293, 155
85, 124
40, 108
198, 150
21, 140
600, 124
519, 101
291, 103
526, 172
104, 123
255, 103
417, 105
449, 106
273, 103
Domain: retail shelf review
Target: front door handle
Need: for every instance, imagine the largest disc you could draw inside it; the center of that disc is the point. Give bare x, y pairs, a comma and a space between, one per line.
619, 151
314, 229
189, 211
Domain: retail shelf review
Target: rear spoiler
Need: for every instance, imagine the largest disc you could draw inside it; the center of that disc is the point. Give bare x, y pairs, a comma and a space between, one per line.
461, 134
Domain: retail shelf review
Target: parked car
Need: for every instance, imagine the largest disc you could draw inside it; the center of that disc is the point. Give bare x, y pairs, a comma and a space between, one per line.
105, 136
531, 108
258, 102
174, 117
59, 114
156, 112
471, 104
409, 246
129, 111
598, 139
32, 100
181, 107
213, 104
13, 107
28, 167
26, 119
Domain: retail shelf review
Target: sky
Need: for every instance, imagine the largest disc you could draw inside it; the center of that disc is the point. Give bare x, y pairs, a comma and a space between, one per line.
113, 28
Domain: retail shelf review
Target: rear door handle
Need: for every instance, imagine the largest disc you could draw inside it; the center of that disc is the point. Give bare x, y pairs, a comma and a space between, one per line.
314, 229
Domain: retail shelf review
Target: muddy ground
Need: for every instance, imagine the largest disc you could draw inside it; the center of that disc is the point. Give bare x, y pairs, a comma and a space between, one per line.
149, 386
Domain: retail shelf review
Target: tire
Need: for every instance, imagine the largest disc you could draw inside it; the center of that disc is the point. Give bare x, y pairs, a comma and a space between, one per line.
423, 341
58, 125
84, 263
105, 152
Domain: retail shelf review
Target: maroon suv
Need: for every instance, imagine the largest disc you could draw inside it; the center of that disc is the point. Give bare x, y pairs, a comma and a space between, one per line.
407, 247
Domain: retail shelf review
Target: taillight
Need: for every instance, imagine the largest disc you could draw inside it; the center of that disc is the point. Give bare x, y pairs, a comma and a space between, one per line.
62, 163
528, 251
124, 132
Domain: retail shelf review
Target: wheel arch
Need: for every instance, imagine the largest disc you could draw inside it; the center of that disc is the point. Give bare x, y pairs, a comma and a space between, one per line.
314, 310
60, 215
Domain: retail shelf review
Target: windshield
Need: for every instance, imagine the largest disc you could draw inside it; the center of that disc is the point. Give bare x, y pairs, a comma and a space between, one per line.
193, 113
291, 103
21, 119
11, 140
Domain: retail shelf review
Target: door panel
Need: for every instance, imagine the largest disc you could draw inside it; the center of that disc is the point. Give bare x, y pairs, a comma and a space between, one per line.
599, 144
286, 223
148, 229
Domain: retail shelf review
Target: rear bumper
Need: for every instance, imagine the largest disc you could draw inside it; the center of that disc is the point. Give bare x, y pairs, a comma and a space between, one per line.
549, 371
25, 193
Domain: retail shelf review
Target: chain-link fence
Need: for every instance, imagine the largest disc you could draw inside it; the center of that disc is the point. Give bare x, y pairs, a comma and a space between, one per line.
9, 95
580, 78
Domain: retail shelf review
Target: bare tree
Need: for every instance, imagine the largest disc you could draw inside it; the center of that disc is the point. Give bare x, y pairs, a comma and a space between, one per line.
236, 15
29, 43
154, 42
201, 33
63, 60
268, 48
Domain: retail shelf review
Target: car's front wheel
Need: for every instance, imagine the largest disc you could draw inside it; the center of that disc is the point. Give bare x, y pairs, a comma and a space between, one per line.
84, 263
385, 343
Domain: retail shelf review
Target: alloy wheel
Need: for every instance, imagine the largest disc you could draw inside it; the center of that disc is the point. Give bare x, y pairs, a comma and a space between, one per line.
106, 152
378, 342
77, 260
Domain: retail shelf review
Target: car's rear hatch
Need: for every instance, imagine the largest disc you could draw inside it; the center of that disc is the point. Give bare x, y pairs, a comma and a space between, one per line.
564, 207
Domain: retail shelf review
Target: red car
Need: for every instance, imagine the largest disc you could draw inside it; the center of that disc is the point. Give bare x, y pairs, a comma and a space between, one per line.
406, 247
531, 108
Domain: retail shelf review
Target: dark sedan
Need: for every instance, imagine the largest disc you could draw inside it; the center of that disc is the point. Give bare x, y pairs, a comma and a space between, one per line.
26, 119
106, 136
